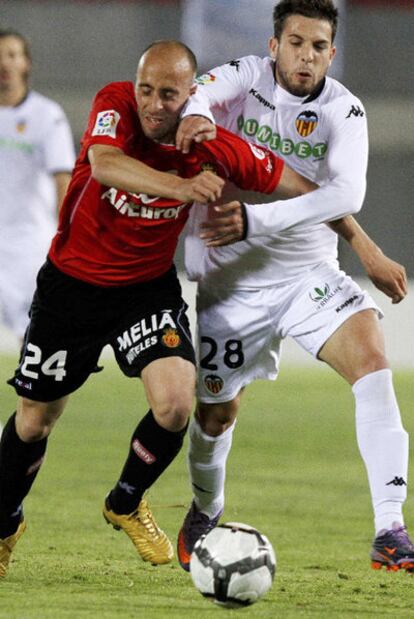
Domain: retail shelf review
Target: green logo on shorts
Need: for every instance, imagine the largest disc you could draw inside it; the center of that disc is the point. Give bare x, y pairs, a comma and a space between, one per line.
322, 295
318, 293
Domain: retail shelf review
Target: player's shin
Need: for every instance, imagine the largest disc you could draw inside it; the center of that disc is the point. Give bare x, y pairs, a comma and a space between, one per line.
207, 458
19, 465
152, 449
383, 444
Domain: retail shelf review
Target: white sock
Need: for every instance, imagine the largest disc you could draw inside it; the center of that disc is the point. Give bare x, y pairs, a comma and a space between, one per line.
383, 444
207, 458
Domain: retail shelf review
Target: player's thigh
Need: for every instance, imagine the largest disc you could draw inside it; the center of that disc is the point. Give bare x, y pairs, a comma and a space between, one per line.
169, 385
152, 340
323, 303
357, 347
236, 342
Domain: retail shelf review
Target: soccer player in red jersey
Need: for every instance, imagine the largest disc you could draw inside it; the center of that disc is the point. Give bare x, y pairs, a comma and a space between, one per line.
110, 279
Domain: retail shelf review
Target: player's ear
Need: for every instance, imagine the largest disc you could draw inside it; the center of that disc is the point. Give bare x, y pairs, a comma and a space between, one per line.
193, 89
273, 47
332, 54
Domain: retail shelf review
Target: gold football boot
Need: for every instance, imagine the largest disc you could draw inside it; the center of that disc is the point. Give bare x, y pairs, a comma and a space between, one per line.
6, 546
151, 543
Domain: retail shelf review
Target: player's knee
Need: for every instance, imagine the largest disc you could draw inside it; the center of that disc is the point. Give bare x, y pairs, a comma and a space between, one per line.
215, 419
174, 412
372, 361
35, 420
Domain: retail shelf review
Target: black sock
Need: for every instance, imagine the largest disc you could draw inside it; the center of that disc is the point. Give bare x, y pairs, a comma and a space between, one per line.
19, 465
152, 449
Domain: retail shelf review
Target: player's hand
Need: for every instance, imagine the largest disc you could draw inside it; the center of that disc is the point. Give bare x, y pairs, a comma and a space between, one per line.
228, 225
389, 277
194, 128
205, 187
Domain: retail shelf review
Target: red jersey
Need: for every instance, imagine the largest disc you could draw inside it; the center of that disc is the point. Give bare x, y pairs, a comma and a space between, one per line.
110, 237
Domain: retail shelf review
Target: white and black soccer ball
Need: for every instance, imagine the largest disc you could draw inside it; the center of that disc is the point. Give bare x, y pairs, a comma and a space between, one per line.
233, 564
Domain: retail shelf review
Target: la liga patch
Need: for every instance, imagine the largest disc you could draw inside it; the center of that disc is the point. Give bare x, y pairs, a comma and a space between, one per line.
106, 123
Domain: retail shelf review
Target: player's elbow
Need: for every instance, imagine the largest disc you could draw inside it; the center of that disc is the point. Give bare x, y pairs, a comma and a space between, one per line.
357, 196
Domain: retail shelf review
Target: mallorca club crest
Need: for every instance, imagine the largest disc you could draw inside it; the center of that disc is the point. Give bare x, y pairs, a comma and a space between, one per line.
306, 123
171, 339
213, 383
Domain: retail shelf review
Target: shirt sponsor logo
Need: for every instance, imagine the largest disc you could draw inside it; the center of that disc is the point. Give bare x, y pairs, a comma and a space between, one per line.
286, 147
142, 452
207, 78
322, 295
261, 99
125, 205
306, 123
106, 123
213, 383
171, 339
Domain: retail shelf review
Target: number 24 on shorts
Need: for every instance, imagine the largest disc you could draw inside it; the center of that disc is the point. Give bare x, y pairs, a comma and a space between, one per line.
52, 366
232, 352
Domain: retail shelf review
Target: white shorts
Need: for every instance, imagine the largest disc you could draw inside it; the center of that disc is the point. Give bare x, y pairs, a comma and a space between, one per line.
240, 331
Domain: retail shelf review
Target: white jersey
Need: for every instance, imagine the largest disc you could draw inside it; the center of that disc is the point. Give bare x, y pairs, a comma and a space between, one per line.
35, 143
324, 137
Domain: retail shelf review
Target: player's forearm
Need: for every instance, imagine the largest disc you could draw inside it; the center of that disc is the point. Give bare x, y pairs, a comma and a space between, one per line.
364, 247
115, 169
293, 184
337, 199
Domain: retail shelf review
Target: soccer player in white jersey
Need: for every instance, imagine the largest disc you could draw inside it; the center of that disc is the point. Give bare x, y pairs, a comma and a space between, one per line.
284, 279
36, 159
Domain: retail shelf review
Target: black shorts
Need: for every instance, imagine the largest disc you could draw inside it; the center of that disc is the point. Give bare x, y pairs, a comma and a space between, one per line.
71, 321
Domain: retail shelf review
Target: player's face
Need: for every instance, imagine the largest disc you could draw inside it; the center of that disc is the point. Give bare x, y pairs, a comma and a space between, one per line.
303, 53
163, 86
14, 64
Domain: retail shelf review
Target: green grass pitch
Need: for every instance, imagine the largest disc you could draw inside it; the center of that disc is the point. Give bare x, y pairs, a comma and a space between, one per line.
294, 473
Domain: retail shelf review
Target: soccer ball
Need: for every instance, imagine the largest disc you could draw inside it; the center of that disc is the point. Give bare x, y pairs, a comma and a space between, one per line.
234, 565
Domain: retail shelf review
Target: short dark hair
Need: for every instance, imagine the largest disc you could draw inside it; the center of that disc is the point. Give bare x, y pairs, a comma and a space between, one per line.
13, 33
172, 43
319, 9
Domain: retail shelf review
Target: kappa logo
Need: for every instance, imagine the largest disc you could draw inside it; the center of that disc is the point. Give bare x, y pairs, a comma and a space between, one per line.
171, 339
235, 64
346, 303
214, 383
397, 481
355, 111
261, 99
106, 123
306, 123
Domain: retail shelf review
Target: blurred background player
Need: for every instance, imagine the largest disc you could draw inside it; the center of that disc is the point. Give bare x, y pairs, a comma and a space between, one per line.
284, 280
36, 160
